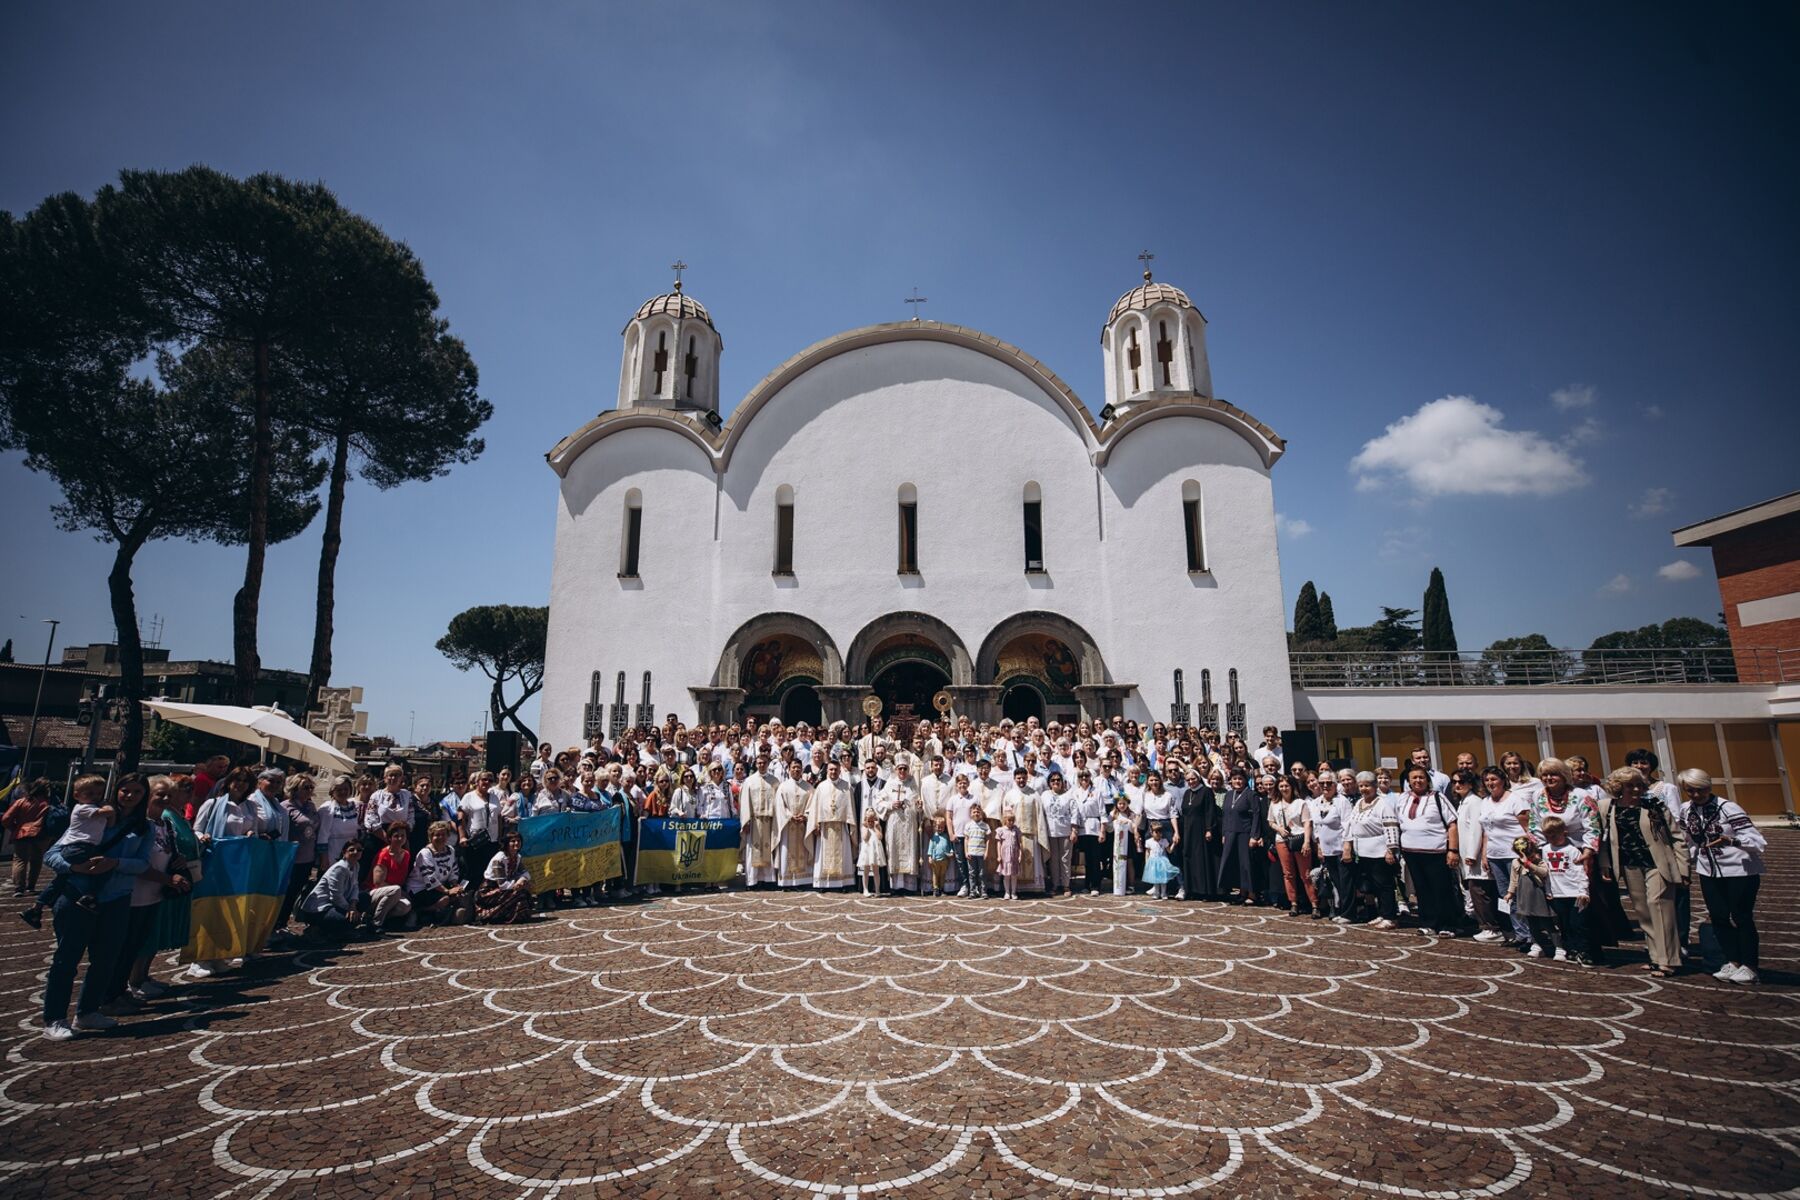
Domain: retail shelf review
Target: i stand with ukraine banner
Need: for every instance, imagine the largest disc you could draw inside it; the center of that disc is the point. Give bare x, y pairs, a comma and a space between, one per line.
687, 850
572, 849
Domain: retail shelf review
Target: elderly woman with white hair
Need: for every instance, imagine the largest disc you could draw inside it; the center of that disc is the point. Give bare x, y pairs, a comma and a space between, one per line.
1644, 853
1725, 848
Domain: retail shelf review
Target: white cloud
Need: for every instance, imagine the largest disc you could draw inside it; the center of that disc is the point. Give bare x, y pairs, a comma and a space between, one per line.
1588, 431
1653, 412
1654, 502
1618, 585
1407, 543
1455, 446
1291, 527
1576, 395
1679, 570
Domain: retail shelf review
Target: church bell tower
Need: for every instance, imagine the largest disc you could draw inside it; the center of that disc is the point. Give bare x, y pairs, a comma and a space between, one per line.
671, 354
1154, 345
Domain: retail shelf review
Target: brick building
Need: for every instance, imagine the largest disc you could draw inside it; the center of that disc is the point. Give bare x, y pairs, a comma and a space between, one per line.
1756, 554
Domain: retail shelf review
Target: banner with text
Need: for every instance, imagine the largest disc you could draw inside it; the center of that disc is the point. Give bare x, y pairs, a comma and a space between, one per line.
687, 850
572, 849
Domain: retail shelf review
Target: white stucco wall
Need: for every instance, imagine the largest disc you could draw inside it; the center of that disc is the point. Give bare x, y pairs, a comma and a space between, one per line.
968, 431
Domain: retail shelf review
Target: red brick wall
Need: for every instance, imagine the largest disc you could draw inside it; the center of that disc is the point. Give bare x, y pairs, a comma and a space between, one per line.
1754, 564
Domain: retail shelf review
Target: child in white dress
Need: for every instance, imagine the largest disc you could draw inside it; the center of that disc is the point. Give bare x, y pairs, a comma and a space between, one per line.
873, 855
1158, 870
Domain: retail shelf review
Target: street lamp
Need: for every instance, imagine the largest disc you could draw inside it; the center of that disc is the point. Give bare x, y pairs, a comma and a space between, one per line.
43, 673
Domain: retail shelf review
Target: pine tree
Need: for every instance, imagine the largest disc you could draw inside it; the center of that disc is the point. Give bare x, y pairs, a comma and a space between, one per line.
1309, 626
6, 652
1327, 618
1438, 631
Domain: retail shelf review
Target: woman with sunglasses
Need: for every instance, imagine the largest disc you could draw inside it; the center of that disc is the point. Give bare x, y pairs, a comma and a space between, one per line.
1725, 848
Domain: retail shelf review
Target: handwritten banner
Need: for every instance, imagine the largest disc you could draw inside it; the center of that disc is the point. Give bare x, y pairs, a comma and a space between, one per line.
572, 849
687, 850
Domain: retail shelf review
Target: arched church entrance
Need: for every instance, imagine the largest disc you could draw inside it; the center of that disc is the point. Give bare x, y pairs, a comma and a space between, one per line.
1021, 701
801, 703
905, 688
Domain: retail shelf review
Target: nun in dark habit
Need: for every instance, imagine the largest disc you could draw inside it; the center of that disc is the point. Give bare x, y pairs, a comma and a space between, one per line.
1199, 853
1242, 835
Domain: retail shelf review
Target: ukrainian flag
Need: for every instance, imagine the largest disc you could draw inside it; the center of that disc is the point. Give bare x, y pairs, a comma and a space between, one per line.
687, 850
573, 849
238, 897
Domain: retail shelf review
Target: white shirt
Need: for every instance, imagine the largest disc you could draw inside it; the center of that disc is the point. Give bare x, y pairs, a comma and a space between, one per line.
478, 815
1059, 812
1090, 811
1500, 825
386, 807
716, 802
1568, 874
1370, 826
429, 870
1329, 813
1425, 821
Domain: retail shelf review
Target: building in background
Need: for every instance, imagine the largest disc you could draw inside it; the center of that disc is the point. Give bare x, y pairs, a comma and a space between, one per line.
1756, 555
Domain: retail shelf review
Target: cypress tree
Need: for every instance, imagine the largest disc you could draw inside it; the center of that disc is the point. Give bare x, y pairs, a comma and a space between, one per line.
1327, 618
1309, 626
1438, 631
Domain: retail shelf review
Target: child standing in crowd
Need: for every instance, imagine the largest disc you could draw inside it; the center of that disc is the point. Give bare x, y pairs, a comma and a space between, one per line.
873, 855
1124, 840
938, 853
1006, 848
89, 820
1567, 887
1526, 898
975, 848
1158, 870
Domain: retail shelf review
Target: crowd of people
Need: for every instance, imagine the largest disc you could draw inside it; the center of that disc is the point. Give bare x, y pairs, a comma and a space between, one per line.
1532, 856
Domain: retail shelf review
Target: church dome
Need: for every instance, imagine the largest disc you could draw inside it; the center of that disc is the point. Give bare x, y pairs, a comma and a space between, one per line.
1147, 295
676, 304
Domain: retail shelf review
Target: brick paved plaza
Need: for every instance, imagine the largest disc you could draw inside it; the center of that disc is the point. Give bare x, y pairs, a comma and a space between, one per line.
760, 1044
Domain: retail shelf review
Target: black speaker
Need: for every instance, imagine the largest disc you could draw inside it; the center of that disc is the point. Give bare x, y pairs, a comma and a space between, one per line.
1299, 745
503, 750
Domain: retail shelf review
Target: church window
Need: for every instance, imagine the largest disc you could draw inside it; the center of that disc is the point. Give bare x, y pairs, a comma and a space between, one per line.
692, 368
1193, 529
646, 713
909, 530
1134, 358
1034, 528
634, 534
660, 363
1165, 351
784, 530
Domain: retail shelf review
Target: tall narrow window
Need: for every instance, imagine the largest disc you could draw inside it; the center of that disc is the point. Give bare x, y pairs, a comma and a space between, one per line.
784, 530
909, 530
1165, 350
691, 367
1193, 529
1034, 528
661, 362
1134, 358
634, 534
646, 714
621, 714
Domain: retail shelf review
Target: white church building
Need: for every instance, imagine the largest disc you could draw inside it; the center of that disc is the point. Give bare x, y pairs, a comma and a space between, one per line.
921, 513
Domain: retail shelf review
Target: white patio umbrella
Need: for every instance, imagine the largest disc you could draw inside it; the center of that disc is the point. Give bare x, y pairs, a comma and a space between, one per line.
272, 730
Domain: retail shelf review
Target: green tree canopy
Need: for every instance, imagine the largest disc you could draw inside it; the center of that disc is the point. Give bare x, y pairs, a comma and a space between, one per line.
1438, 632
1526, 660
1309, 626
506, 643
75, 400
1396, 630
271, 268
1327, 618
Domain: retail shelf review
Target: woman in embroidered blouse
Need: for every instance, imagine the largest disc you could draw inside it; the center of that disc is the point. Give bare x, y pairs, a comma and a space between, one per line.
505, 895
1725, 849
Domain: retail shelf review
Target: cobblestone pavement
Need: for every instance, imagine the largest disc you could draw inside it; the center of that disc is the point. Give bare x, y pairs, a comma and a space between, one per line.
762, 1044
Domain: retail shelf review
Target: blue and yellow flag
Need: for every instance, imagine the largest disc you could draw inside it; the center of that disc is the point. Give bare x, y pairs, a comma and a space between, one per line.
238, 897
572, 849
687, 850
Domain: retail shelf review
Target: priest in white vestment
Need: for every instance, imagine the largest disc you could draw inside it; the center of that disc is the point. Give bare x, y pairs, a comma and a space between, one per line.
756, 809
831, 831
898, 808
1026, 806
793, 851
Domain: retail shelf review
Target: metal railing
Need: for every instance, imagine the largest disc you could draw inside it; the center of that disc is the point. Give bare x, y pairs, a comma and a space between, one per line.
1539, 668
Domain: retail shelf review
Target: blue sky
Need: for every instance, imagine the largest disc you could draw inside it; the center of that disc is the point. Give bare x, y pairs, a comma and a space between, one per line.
1554, 250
